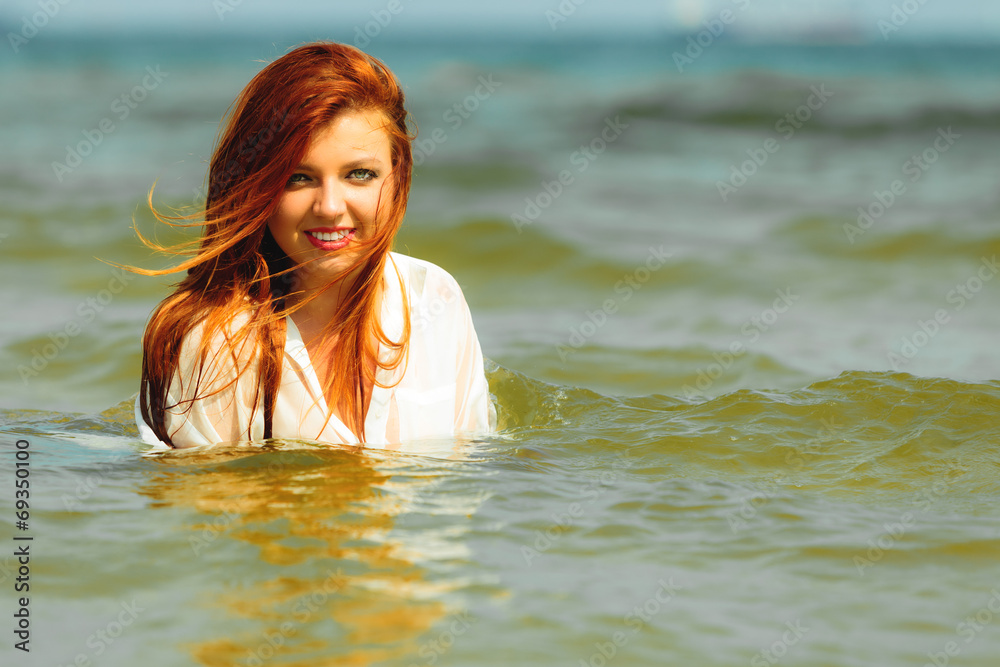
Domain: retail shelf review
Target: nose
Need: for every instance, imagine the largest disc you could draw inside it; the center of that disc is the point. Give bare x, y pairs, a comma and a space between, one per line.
330, 202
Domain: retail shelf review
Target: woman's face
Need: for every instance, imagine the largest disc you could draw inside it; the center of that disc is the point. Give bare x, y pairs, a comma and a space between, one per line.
331, 199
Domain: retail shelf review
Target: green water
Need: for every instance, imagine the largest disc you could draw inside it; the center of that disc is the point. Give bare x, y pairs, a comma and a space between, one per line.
860, 509
776, 446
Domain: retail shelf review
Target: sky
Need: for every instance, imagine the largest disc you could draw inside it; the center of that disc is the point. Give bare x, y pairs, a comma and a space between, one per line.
950, 19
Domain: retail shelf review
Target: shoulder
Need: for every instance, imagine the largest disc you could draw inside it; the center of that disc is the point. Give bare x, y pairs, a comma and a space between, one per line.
423, 278
437, 307
214, 356
216, 342
221, 330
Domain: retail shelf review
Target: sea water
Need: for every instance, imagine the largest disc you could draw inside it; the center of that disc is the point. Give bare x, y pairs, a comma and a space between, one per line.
740, 318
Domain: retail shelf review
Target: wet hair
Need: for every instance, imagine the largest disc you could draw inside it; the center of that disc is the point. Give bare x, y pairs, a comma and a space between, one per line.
238, 279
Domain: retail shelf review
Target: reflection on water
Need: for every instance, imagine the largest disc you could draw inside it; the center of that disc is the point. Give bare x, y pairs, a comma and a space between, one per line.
838, 499
328, 585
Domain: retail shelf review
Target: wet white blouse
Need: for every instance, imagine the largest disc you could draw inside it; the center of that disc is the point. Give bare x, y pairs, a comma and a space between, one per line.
441, 389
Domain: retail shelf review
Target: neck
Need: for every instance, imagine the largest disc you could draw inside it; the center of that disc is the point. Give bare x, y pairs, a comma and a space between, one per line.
315, 307
319, 302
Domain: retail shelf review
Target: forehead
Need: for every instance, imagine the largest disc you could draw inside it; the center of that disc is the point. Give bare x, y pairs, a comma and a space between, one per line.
352, 133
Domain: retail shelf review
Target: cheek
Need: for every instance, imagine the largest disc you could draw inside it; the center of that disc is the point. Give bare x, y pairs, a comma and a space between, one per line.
286, 215
380, 203
282, 225
276, 226
367, 207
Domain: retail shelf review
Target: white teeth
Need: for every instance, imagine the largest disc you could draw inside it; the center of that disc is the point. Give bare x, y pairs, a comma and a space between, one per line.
331, 236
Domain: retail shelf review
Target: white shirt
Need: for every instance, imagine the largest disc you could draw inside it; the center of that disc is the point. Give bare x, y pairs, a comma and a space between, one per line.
442, 391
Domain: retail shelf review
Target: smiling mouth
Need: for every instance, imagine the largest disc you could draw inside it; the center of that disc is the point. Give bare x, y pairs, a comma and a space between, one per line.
330, 240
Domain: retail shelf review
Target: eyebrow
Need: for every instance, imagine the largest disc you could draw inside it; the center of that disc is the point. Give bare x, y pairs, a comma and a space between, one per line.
369, 160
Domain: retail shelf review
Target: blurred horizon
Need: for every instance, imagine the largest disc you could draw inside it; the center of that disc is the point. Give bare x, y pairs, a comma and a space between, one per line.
773, 21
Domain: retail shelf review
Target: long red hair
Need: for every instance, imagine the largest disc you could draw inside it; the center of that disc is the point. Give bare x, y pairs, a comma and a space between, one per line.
238, 278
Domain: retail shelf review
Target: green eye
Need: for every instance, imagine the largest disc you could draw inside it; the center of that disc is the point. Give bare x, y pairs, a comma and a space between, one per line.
362, 175
296, 178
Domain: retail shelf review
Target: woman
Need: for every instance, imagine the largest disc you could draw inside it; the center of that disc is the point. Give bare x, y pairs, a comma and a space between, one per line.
295, 320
